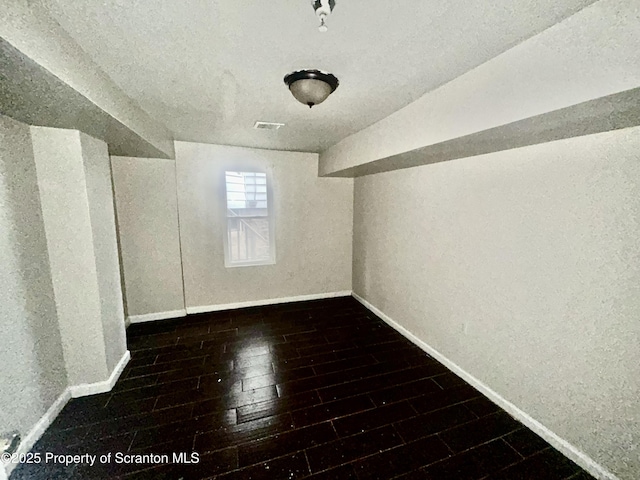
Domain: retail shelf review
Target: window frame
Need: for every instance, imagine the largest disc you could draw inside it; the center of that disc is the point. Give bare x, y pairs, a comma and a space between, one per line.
228, 263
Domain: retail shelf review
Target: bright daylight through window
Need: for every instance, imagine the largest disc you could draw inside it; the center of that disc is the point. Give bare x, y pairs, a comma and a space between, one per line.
249, 237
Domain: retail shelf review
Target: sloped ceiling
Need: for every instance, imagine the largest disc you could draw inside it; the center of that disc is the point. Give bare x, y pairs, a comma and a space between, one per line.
208, 69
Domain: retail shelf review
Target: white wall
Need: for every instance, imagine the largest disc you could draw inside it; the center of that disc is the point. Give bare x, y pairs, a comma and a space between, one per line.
65, 209
33, 373
523, 267
77, 207
147, 213
313, 222
97, 172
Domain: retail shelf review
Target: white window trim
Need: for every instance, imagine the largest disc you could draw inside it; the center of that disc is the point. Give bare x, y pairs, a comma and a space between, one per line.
272, 226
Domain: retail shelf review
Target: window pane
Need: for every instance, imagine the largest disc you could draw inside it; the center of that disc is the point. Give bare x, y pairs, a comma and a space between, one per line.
248, 239
248, 221
246, 194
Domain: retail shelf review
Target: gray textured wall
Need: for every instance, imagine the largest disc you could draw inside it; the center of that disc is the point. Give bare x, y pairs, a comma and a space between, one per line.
313, 226
33, 371
101, 211
523, 267
65, 210
147, 208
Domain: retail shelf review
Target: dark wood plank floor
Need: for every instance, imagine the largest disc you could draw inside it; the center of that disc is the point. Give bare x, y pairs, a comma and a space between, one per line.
315, 390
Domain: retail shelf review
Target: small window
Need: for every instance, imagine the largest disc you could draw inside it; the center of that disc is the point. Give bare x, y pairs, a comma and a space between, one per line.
249, 238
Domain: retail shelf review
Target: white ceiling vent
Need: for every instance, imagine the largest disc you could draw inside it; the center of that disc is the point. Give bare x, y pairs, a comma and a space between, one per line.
268, 125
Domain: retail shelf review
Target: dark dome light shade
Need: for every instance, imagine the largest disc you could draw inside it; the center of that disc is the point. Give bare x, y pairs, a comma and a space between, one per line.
311, 87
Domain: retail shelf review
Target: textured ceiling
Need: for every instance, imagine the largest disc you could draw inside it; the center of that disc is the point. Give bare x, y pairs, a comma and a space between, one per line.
208, 69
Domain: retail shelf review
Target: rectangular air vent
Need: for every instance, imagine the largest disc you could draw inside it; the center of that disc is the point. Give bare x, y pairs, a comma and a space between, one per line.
268, 125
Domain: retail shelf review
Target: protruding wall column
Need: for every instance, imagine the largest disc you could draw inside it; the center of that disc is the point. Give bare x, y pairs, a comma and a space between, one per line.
77, 207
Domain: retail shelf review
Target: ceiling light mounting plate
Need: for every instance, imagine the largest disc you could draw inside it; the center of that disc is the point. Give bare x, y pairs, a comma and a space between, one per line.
323, 9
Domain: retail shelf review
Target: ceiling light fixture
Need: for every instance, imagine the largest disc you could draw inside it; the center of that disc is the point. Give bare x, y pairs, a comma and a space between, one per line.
311, 87
323, 9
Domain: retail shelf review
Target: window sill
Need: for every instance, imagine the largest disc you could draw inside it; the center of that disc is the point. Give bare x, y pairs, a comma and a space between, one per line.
249, 264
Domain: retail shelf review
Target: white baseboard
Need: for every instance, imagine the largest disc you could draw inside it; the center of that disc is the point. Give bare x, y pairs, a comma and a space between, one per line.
567, 449
38, 429
269, 301
151, 317
85, 389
